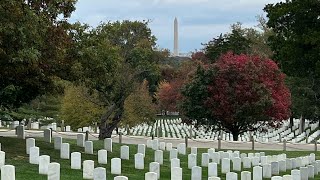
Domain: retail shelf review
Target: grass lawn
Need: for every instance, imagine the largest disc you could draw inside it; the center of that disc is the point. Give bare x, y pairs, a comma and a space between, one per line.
16, 155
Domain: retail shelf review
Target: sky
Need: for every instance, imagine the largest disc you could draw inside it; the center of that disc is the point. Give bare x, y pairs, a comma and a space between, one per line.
199, 20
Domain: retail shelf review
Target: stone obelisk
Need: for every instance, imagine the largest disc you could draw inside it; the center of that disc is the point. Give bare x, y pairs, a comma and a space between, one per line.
176, 45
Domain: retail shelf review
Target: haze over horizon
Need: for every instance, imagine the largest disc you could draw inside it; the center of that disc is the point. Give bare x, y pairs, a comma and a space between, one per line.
199, 20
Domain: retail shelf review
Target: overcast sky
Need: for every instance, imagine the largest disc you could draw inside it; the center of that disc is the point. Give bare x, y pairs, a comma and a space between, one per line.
199, 20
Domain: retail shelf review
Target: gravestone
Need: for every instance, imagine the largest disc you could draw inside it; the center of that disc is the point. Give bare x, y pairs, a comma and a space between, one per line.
8, 172
288, 164
194, 150
282, 166
214, 178
225, 165
176, 173
65, 151
266, 171
57, 142
20, 132
30, 142
175, 162
246, 162
196, 173
88, 147
116, 166
2, 158
155, 167
245, 175
275, 168
236, 164
295, 174
88, 168
276, 178
139, 161
182, 148
54, 171
304, 173
80, 140
212, 169
120, 178
108, 144
124, 152
173, 153
76, 160
232, 176
162, 146
287, 177
255, 161
169, 146
102, 156
34, 155
151, 176
310, 171
158, 156
142, 149
216, 157
44, 162
192, 160
47, 135
205, 159
257, 173
155, 144
99, 173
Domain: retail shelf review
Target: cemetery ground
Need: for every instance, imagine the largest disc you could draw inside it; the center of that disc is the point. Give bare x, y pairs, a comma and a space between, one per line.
16, 155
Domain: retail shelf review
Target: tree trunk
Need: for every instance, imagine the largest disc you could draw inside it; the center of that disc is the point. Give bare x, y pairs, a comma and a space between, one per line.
235, 135
291, 123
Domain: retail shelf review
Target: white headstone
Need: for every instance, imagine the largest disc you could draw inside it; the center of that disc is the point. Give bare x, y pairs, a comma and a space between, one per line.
151, 176
287, 177
47, 135
116, 166
120, 178
255, 161
245, 175
76, 160
8, 172
173, 153
288, 164
236, 164
54, 171
155, 144
192, 160
176, 173
65, 151
205, 159
232, 176
194, 150
304, 173
182, 148
162, 146
214, 178
175, 162
34, 155
310, 171
149, 143
68, 128
108, 144
88, 168
155, 167
139, 161
246, 162
225, 165
216, 157
169, 146
275, 168
2, 158
88, 147
44, 162
30, 142
57, 142
282, 166
102, 156
295, 174
80, 140
158, 156
212, 169
276, 178
257, 173
196, 173
142, 149
266, 171
99, 173
124, 152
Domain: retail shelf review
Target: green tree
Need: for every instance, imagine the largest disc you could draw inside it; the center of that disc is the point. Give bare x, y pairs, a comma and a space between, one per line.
296, 46
138, 107
33, 43
79, 108
112, 60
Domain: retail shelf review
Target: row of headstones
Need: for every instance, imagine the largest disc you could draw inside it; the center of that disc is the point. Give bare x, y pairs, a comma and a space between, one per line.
7, 171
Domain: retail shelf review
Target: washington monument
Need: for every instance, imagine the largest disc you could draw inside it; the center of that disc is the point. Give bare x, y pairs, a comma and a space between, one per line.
176, 45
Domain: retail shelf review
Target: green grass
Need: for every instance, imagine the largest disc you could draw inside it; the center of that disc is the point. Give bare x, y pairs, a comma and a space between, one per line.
16, 155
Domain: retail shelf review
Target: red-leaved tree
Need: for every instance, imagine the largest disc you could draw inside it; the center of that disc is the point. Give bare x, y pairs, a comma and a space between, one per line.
238, 93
